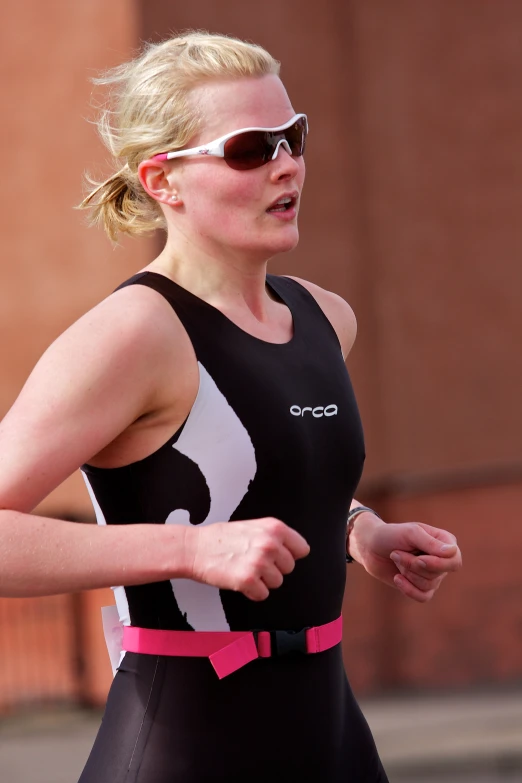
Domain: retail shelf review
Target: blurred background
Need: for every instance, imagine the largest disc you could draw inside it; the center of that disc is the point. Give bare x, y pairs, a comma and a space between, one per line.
412, 212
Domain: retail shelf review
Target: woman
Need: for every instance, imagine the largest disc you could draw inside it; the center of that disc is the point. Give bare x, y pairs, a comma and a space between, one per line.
204, 392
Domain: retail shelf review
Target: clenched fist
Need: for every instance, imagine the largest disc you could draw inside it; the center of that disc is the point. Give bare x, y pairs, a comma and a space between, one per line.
251, 556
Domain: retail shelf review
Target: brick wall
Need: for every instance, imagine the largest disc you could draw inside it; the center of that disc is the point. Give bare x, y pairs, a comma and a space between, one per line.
411, 211
470, 634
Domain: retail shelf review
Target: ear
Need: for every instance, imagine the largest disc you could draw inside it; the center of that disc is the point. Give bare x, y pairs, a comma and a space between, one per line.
155, 180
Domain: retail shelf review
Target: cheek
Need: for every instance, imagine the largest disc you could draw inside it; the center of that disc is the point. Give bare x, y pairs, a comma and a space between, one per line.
241, 189
225, 199
302, 171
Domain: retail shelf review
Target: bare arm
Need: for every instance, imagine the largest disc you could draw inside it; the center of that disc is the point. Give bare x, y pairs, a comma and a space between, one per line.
43, 556
91, 385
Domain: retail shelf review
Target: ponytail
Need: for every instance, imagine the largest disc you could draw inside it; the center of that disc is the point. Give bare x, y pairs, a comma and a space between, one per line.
120, 205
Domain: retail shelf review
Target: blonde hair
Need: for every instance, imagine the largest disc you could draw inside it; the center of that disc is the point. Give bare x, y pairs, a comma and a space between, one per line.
149, 111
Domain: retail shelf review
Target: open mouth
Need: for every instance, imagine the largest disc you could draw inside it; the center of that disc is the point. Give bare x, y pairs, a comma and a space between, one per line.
284, 204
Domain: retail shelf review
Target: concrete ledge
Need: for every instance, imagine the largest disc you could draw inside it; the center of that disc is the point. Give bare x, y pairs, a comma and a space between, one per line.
448, 734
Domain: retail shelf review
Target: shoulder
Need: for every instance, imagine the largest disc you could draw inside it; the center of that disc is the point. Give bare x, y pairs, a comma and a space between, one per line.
134, 307
133, 320
119, 349
337, 310
97, 378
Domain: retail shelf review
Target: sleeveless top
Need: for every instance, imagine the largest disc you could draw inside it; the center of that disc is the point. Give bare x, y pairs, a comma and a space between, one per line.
274, 432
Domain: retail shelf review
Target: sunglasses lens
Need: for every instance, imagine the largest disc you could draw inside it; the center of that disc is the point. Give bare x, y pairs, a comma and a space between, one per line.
253, 149
296, 137
247, 150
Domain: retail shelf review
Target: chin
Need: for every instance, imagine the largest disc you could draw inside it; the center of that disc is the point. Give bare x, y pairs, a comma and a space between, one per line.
265, 247
286, 241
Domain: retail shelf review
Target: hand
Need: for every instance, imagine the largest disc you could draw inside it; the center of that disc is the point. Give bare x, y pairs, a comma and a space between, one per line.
251, 557
412, 556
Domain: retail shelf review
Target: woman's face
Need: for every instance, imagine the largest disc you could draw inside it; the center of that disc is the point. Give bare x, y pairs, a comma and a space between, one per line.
228, 210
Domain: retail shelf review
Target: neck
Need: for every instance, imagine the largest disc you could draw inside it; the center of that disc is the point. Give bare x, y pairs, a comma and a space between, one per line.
230, 283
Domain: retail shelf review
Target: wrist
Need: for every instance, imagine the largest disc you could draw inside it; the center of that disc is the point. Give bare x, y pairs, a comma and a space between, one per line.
188, 550
177, 545
361, 524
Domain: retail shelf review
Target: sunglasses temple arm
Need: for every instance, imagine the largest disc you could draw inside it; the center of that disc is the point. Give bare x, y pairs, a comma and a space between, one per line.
204, 150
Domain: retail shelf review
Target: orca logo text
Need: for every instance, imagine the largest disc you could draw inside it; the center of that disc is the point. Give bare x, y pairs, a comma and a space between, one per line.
317, 413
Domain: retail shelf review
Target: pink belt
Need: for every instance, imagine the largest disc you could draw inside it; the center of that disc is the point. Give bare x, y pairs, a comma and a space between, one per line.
230, 650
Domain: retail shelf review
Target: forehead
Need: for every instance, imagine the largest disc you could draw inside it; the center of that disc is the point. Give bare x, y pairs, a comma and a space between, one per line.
231, 104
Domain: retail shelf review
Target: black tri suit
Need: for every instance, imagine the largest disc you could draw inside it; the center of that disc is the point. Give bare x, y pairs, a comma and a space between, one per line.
274, 432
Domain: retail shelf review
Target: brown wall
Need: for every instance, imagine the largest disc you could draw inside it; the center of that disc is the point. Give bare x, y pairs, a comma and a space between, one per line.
471, 633
440, 119
411, 211
54, 268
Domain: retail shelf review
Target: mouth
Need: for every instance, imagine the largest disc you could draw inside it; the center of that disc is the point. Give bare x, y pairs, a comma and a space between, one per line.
284, 203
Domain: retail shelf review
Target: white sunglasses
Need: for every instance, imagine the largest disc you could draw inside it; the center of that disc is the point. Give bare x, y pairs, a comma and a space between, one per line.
250, 148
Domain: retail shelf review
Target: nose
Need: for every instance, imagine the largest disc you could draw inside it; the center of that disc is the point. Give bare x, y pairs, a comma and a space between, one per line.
285, 165
286, 146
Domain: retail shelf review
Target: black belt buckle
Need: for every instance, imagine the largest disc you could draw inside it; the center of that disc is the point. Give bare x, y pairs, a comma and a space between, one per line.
287, 642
